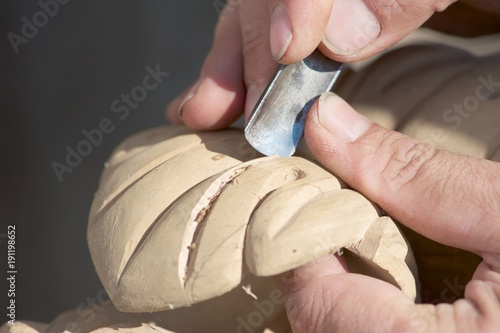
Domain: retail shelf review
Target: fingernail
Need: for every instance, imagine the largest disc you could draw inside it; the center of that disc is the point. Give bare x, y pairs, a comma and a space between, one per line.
190, 94
281, 32
352, 27
340, 119
252, 97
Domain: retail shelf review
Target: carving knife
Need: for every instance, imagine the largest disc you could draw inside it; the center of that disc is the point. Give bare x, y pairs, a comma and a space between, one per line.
277, 121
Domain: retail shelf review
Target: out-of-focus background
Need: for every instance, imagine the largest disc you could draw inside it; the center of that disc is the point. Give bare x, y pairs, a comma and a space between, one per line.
63, 64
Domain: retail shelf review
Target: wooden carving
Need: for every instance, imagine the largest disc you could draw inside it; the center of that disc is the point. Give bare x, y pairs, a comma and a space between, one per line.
182, 217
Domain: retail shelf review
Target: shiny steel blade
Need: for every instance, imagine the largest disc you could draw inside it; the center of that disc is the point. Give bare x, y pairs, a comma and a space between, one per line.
277, 122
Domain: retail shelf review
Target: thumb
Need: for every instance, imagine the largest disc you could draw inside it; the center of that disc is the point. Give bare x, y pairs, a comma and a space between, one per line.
359, 29
447, 197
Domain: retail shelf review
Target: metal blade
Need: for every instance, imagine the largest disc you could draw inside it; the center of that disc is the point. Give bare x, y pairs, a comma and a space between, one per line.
277, 122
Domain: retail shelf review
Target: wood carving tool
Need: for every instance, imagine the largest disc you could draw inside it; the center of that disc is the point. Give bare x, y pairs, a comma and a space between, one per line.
277, 121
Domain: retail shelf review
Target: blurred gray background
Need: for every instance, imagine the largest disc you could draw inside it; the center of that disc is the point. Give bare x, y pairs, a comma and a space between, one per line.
62, 81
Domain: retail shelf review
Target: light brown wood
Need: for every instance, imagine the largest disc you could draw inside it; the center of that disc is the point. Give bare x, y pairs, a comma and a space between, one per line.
197, 209
132, 328
220, 314
310, 225
384, 253
444, 91
125, 219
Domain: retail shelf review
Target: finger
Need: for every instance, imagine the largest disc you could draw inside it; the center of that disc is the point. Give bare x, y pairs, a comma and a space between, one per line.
322, 297
297, 28
450, 198
359, 29
259, 64
172, 109
285, 31
216, 100
298, 278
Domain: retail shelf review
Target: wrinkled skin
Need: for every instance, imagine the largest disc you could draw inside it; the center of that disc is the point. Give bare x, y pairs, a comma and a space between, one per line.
387, 167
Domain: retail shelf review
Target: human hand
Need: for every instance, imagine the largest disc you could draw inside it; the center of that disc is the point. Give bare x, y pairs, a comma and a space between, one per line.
450, 198
253, 35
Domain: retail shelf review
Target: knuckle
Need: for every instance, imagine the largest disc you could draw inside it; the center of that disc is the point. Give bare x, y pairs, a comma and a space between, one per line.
490, 197
409, 162
410, 10
394, 8
309, 316
301, 317
418, 320
492, 242
483, 194
253, 39
441, 5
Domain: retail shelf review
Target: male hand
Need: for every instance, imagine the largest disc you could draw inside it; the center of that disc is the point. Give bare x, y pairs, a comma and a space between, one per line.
450, 198
252, 36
